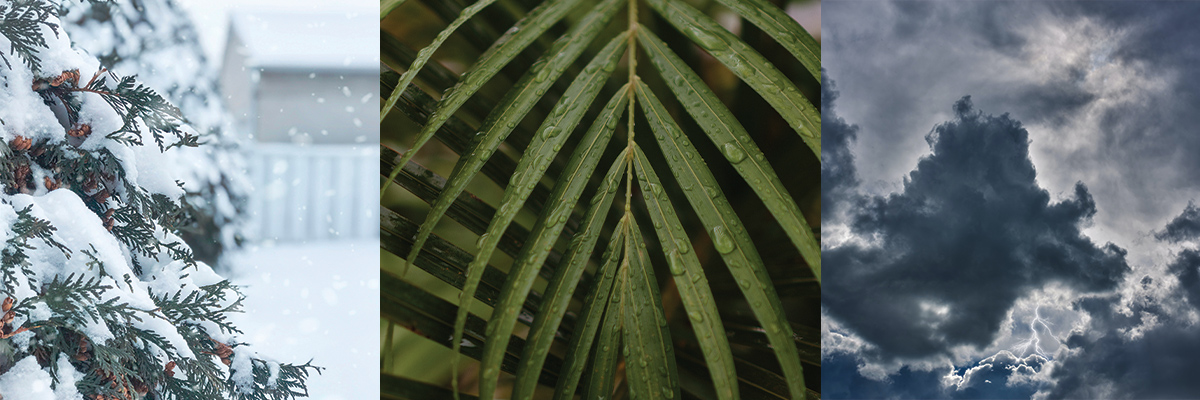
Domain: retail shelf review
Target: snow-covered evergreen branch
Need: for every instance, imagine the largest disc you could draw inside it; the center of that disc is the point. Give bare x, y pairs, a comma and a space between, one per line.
101, 298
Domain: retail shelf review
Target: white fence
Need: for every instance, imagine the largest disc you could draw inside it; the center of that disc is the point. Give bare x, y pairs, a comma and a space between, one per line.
314, 193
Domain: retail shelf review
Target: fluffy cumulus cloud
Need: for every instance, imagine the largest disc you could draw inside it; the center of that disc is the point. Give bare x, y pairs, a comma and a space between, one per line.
969, 234
1106, 91
1047, 246
925, 303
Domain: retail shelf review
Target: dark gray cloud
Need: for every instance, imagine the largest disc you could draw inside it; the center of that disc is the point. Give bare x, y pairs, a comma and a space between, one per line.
942, 242
838, 176
1163, 32
1140, 343
1187, 269
1161, 365
1052, 102
990, 378
996, 377
1184, 227
1107, 89
969, 234
1104, 361
840, 380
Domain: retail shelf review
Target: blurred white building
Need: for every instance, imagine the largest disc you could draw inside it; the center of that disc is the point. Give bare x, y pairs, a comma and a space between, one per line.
303, 86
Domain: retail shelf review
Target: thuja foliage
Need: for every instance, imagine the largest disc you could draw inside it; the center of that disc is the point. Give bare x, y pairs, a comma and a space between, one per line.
23, 22
215, 172
99, 293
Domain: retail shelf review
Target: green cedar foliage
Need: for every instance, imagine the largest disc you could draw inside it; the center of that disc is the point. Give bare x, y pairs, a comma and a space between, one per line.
216, 181
97, 287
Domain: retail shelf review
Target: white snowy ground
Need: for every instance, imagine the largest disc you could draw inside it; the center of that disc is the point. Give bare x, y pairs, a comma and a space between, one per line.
319, 301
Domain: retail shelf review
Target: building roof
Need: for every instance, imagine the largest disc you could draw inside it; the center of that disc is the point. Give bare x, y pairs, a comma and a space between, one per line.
294, 40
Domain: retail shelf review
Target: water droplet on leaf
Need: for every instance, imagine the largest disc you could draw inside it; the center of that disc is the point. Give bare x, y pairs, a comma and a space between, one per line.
682, 245
733, 153
676, 263
721, 240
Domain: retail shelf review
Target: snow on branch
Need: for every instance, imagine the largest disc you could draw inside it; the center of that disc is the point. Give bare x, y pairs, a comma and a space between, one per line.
101, 298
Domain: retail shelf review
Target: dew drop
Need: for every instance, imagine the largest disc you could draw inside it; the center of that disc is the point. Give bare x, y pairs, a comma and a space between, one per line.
668, 392
721, 240
696, 316
743, 69
682, 245
733, 153
675, 261
713, 191
479, 242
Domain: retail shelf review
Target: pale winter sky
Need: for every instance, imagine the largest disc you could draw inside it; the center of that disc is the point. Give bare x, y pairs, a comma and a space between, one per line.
212, 16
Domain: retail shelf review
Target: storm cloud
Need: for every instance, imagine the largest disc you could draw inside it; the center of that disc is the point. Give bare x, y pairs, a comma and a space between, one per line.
1184, 227
950, 226
838, 176
1141, 343
969, 234
1107, 91
1105, 363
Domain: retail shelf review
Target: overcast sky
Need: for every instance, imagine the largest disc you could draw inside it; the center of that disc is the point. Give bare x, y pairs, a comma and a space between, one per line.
212, 16
1006, 191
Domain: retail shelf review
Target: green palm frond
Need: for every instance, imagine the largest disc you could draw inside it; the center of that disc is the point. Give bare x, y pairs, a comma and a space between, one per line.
654, 287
